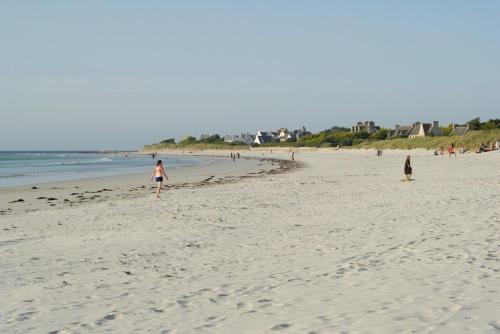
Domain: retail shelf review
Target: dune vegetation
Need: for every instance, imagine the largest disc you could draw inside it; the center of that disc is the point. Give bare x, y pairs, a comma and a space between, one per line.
471, 141
481, 132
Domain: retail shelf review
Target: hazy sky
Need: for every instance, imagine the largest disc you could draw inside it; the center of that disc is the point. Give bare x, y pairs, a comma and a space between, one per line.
120, 74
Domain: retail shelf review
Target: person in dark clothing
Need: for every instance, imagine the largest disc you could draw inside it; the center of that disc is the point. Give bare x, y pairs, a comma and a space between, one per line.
408, 171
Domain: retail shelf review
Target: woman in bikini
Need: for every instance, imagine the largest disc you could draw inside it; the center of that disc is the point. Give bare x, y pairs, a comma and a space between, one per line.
158, 174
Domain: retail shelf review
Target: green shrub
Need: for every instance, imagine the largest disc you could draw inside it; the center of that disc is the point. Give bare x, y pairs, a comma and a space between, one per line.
380, 135
168, 141
491, 124
189, 140
447, 129
474, 124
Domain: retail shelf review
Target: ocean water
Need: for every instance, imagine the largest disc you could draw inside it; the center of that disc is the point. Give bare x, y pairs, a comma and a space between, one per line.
28, 168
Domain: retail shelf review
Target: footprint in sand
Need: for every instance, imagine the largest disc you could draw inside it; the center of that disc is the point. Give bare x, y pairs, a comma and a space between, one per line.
109, 317
280, 327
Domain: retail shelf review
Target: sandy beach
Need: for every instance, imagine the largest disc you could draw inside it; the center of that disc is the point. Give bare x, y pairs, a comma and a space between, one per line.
339, 245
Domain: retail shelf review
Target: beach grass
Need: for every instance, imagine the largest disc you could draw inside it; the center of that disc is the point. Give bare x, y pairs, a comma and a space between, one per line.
471, 141
194, 147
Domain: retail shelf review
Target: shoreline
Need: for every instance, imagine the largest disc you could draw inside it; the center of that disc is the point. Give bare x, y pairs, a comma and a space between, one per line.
215, 169
70, 168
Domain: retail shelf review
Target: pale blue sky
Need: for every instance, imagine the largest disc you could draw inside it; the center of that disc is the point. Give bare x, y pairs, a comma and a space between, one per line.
120, 74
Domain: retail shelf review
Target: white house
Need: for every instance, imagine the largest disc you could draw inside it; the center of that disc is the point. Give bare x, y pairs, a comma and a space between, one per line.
285, 135
263, 137
425, 129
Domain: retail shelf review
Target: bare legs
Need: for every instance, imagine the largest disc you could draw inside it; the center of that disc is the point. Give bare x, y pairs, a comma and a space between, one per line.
158, 189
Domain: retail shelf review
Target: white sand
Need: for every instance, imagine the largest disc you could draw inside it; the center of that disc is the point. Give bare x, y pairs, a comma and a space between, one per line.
338, 246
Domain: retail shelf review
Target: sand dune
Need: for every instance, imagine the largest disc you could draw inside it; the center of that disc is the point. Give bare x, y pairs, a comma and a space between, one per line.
340, 245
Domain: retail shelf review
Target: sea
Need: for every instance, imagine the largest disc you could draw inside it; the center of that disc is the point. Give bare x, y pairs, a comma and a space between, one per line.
29, 168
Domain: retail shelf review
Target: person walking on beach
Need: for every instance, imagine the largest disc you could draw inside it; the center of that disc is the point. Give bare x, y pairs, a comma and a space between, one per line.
158, 174
407, 169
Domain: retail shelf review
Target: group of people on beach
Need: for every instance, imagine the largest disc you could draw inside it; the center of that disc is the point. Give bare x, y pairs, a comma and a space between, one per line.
235, 156
489, 147
494, 146
159, 170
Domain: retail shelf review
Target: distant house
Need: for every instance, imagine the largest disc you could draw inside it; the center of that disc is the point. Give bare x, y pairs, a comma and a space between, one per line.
204, 136
400, 131
264, 137
425, 129
297, 134
245, 138
285, 135
368, 126
232, 139
459, 130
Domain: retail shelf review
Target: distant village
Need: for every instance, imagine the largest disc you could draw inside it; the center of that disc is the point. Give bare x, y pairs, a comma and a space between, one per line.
264, 137
415, 130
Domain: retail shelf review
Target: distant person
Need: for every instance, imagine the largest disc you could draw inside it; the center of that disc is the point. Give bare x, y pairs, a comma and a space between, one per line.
238, 154
451, 150
481, 148
462, 149
293, 156
158, 174
497, 145
407, 169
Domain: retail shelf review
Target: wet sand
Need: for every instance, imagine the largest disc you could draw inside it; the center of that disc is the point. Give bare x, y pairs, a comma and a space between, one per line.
215, 170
